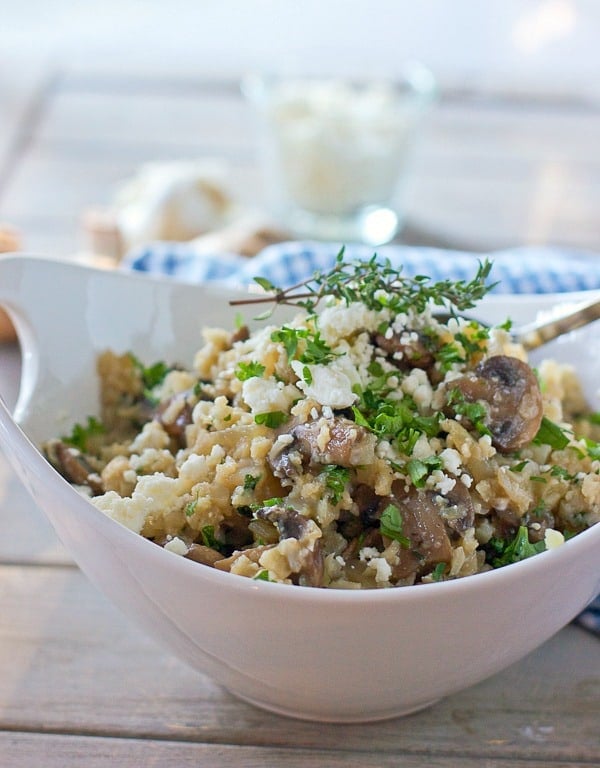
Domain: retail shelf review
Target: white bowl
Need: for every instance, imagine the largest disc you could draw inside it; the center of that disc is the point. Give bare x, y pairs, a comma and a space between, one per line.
315, 654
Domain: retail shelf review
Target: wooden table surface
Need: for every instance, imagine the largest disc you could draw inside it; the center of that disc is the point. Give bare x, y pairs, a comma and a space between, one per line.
79, 685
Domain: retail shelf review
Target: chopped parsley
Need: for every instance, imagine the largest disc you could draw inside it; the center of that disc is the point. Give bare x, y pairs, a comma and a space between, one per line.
393, 420
250, 482
473, 338
390, 525
562, 473
208, 537
449, 354
419, 469
81, 433
271, 419
336, 479
475, 412
502, 552
592, 448
190, 507
262, 575
520, 466
274, 501
438, 571
151, 375
314, 349
245, 371
551, 434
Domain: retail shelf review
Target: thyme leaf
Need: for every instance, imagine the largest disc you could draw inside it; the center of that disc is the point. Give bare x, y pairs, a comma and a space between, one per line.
376, 284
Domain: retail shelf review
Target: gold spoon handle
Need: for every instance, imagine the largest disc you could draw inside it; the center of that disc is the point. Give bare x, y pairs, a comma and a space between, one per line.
535, 334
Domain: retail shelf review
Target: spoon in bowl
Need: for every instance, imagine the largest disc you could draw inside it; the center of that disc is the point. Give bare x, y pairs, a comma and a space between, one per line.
534, 335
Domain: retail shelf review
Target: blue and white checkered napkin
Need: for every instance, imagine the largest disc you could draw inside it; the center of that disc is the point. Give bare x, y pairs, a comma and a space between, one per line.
518, 270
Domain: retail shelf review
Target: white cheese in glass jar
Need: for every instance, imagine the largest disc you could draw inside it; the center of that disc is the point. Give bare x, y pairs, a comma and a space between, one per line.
335, 149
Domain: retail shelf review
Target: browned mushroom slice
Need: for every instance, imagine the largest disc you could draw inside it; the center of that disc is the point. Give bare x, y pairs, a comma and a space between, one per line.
176, 427
325, 441
73, 465
241, 334
425, 530
457, 508
203, 554
511, 394
253, 554
292, 525
407, 349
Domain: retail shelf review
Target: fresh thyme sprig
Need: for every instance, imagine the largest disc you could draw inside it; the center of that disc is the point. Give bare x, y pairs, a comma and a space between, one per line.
376, 284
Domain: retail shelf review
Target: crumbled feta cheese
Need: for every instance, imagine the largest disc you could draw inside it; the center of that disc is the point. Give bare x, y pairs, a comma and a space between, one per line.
152, 495
382, 568
151, 436
264, 395
451, 460
441, 482
422, 448
366, 553
553, 538
340, 321
330, 384
177, 546
419, 387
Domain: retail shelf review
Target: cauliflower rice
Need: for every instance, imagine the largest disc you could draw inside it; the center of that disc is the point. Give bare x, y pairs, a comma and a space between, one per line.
358, 448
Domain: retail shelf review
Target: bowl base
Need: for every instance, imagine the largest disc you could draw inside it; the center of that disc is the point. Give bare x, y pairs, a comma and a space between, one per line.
329, 717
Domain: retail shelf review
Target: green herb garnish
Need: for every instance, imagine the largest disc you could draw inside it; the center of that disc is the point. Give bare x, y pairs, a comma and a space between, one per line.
520, 466
377, 284
315, 351
551, 434
438, 571
151, 375
80, 433
250, 482
262, 576
208, 537
475, 412
390, 525
245, 371
503, 552
271, 419
336, 479
190, 507
419, 469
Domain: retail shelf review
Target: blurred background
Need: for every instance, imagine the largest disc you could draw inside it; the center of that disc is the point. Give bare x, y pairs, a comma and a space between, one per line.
508, 154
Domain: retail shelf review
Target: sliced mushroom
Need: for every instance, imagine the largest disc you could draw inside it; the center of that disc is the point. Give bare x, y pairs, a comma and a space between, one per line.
292, 525
73, 465
368, 503
176, 427
457, 508
241, 334
408, 349
511, 393
326, 441
537, 523
425, 530
203, 554
235, 530
253, 554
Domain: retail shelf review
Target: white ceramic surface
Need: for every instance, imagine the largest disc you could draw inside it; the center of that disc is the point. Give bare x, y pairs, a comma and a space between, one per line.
316, 654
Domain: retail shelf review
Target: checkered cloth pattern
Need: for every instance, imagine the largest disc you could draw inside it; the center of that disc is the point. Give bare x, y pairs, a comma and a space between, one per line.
518, 270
